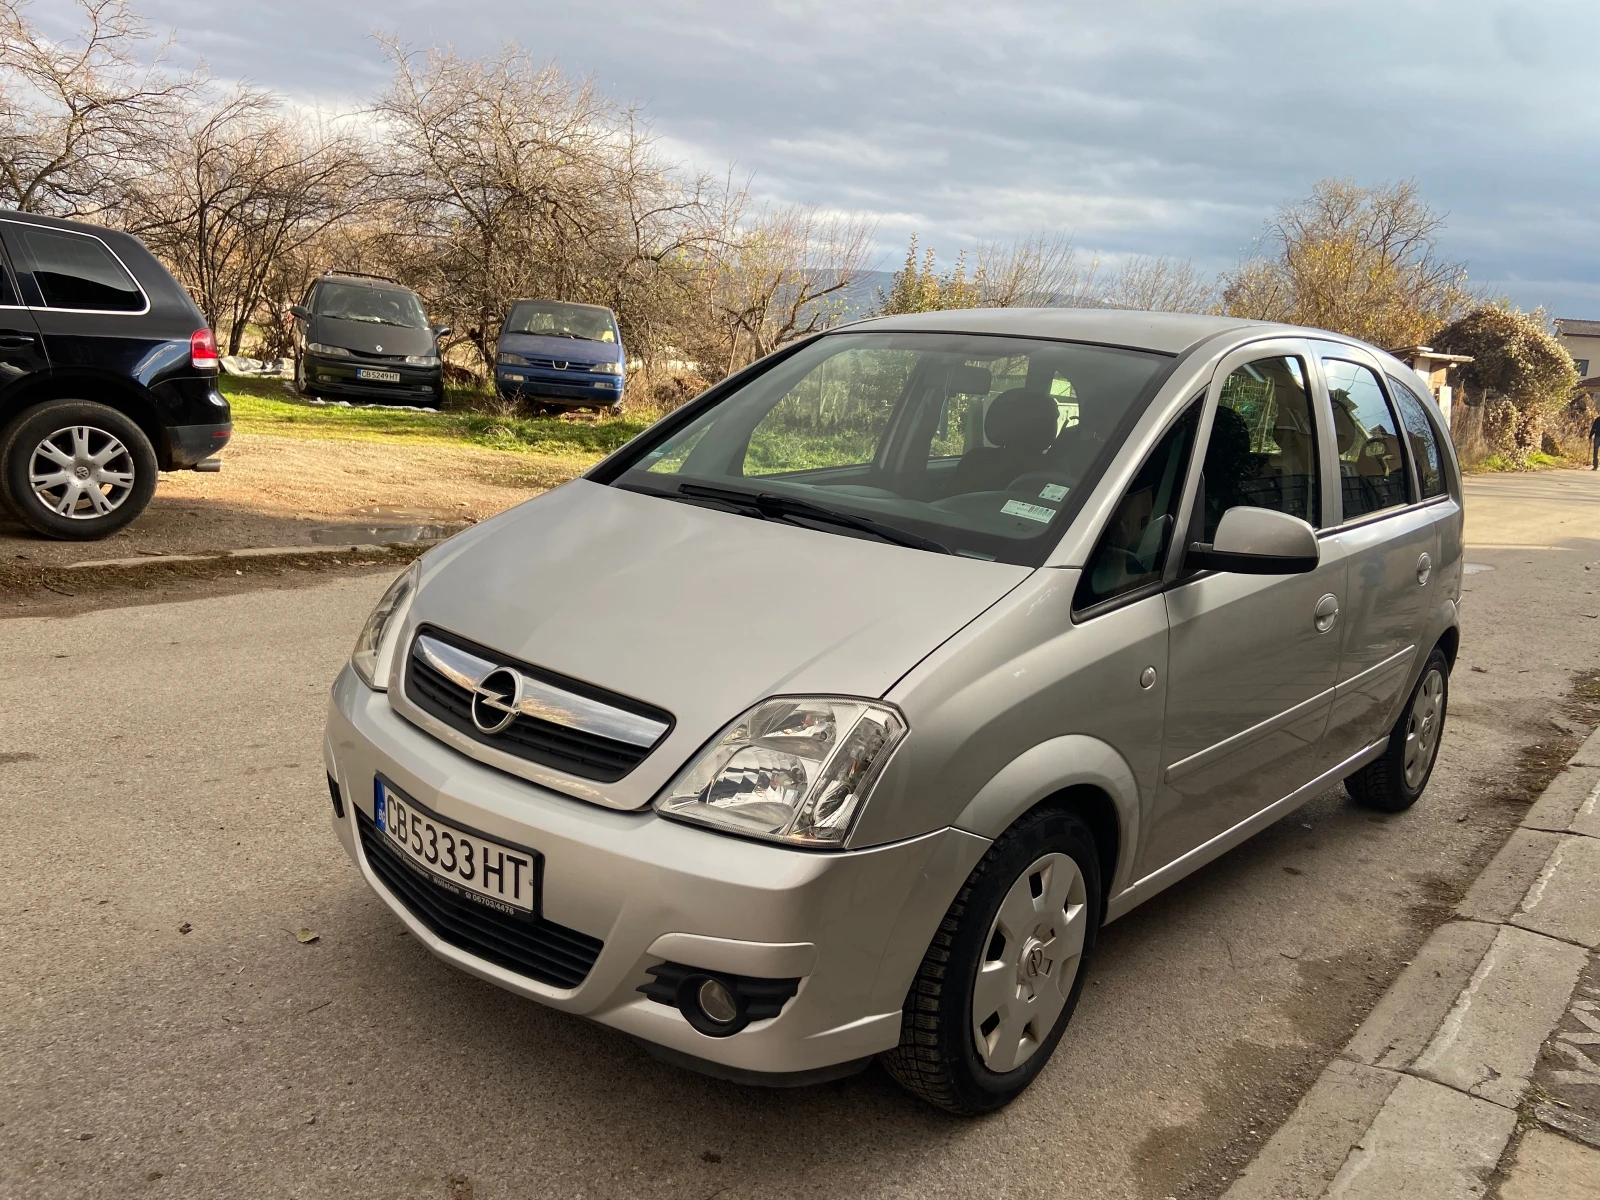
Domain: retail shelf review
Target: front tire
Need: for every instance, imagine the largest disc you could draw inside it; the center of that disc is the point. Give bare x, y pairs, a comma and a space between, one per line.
999, 983
1395, 779
75, 470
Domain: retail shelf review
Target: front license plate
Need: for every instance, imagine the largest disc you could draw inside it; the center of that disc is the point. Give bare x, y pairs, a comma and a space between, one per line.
492, 873
377, 376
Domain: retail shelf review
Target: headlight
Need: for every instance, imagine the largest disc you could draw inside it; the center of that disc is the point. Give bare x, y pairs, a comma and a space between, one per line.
793, 770
374, 653
611, 368
506, 359
329, 351
422, 360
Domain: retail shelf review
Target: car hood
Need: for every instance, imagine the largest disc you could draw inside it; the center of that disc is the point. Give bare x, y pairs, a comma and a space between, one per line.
698, 611
364, 337
562, 349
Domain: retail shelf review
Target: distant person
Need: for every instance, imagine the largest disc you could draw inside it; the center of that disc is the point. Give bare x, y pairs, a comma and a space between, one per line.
1594, 445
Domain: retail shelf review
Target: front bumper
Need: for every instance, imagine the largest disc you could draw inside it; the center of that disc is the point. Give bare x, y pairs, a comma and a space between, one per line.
338, 377
852, 925
577, 387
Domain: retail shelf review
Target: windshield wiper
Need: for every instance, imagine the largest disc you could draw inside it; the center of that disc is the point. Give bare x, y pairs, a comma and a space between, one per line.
782, 508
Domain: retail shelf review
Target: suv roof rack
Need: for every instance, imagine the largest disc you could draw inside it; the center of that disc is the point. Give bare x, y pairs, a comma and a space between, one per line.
361, 275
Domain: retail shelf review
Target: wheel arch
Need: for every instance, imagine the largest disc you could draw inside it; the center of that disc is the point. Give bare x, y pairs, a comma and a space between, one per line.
1077, 773
1450, 642
113, 391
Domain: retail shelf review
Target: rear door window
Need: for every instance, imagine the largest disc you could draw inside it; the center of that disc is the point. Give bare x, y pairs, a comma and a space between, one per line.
1422, 435
1372, 465
1263, 447
75, 271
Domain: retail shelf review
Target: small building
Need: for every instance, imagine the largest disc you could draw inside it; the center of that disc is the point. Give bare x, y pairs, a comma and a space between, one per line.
1434, 366
1582, 341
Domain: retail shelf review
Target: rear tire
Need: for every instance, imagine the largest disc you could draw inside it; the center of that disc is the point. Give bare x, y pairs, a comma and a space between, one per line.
1026, 917
1395, 779
75, 470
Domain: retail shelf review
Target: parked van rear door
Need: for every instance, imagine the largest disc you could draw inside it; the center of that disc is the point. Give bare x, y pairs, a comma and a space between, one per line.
1389, 543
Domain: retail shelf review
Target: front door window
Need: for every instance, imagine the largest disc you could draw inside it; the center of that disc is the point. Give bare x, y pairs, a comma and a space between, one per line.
1263, 446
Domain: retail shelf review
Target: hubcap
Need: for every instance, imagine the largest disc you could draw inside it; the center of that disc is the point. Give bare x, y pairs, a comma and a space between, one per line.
1030, 961
1422, 728
81, 472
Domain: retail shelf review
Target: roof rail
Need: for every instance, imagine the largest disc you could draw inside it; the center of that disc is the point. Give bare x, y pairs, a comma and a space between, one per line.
360, 274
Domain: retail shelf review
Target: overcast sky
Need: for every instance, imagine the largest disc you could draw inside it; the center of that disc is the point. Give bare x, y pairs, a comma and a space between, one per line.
1138, 127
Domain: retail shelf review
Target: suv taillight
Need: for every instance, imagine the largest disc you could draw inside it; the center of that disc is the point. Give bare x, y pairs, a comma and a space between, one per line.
203, 350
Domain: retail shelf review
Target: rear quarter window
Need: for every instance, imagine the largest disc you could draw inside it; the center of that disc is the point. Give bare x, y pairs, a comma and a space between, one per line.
76, 271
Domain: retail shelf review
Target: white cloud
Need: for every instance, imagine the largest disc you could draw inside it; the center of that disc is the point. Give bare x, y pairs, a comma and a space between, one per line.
1143, 126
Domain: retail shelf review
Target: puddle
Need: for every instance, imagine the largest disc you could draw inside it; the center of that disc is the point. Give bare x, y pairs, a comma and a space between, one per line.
1474, 568
378, 535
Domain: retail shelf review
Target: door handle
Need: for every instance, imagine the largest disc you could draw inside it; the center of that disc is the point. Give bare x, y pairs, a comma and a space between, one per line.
15, 341
1424, 567
1326, 612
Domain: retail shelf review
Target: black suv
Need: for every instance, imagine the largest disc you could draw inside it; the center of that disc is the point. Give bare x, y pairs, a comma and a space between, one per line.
108, 374
364, 337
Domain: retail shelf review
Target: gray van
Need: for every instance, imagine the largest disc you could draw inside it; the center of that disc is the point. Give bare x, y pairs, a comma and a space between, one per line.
833, 715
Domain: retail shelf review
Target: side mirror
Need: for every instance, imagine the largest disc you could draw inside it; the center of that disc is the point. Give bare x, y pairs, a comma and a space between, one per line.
440, 331
1257, 541
300, 311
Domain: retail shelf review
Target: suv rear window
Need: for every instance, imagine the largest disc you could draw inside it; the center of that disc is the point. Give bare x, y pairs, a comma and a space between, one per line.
73, 270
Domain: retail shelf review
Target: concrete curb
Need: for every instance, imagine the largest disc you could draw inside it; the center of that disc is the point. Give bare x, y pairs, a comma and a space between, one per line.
152, 560
1424, 1098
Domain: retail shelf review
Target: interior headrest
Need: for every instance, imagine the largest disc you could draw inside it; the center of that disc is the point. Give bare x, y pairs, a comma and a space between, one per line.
1022, 419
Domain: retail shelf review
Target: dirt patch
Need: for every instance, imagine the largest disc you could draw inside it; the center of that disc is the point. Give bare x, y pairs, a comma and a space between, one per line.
287, 491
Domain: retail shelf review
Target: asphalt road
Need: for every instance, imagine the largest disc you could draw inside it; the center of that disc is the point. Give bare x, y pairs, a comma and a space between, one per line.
160, 772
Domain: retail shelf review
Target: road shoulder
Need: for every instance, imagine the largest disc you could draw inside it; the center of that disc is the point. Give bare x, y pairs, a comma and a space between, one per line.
1427, 1095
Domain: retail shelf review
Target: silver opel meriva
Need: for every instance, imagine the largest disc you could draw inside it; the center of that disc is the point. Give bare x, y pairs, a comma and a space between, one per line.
833, 716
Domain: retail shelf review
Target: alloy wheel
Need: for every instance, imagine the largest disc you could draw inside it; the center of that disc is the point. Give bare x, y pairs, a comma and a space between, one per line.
1030, 961
81, 472
1422, 728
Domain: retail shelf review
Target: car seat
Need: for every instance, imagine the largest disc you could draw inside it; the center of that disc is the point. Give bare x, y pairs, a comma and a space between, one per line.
1022, 424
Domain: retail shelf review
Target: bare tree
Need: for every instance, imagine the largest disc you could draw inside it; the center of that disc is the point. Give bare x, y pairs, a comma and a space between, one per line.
1042, 270
241, 186
785, 276
518, 180
79, 119
1356, 260
1153, 284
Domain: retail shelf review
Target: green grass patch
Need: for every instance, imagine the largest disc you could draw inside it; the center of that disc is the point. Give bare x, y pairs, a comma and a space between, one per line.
1537, 461
265, 406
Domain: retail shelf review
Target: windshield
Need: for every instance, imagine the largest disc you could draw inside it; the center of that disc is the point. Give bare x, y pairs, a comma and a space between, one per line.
973, 443
376, 306
552, 318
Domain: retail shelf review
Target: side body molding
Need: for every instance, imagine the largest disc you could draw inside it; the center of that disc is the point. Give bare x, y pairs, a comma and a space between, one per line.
1052, 766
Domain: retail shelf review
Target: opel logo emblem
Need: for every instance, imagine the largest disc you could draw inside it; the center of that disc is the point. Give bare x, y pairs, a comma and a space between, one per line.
497, 700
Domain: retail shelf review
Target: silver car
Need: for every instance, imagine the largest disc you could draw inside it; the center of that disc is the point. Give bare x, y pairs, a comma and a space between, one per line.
832, 716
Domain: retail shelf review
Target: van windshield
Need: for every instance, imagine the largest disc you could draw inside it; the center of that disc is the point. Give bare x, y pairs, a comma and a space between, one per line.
975, 445
376, 306
551, 318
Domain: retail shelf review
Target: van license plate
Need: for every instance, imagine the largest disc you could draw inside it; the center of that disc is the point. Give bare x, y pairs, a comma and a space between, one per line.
489, 872
377, 376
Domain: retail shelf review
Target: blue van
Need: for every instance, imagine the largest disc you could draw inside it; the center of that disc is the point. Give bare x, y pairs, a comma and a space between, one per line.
557, 355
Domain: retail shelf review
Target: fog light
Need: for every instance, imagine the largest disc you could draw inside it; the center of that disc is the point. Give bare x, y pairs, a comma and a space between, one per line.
717, 1002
